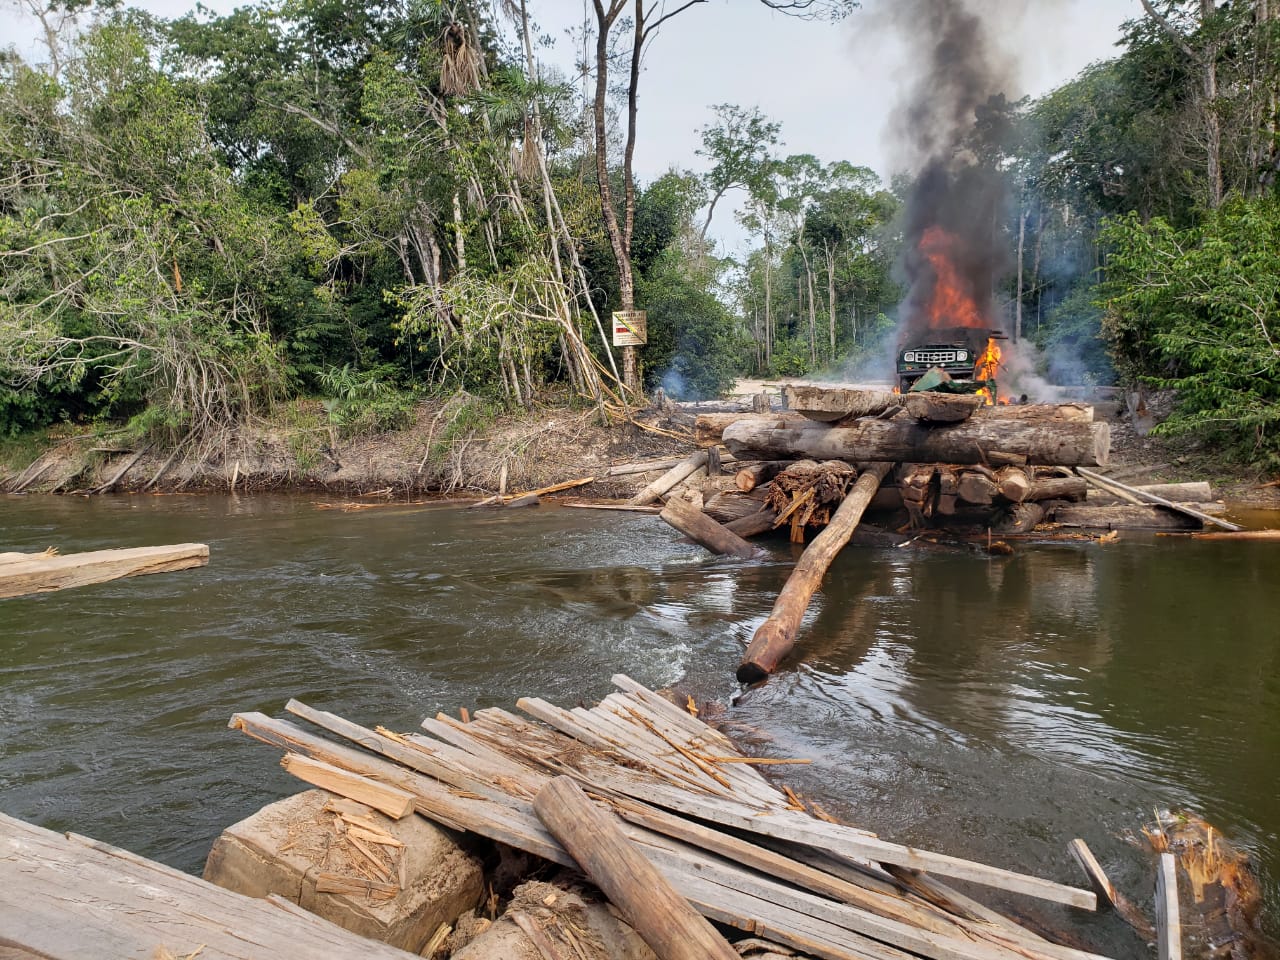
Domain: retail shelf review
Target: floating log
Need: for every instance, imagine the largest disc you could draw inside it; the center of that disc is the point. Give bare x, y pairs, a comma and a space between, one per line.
1241, 535
709, 428
701, 529
974, 441
758, 474
777, 635
1108, 895
681, 471
1126, 516
1115, 486
644, 897
931, 407
43, 572
1072, 412
829, 404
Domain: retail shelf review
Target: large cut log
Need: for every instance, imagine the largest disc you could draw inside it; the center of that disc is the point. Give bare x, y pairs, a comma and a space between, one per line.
1193, 492
828, 404
702, 530
777, 635
995, 442
1021, 518
1013, 483
758, 474
1126, 492
1074, 412
681, 471
709, 428
41, 573
1127, 516
761, 521
1058, 488
665, 920
976, 488
941, 407
734, 505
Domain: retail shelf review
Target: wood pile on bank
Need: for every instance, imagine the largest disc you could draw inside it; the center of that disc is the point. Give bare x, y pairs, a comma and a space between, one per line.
754, 859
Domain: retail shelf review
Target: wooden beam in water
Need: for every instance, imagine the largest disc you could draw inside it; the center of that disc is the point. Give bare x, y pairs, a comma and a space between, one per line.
1168, 917
42, 573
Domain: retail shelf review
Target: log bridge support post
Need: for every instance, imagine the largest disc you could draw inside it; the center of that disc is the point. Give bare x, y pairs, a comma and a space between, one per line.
777, 635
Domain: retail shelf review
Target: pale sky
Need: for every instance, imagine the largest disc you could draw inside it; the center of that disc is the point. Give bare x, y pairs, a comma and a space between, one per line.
832, 86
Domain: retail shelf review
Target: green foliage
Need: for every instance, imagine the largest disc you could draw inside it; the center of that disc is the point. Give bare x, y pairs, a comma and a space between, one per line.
695, 348
365, 402
1195, 310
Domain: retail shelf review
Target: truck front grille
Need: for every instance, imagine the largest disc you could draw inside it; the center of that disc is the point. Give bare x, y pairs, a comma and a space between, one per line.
935, 356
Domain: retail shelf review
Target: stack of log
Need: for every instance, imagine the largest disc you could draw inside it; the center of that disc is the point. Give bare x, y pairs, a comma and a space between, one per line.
918, 460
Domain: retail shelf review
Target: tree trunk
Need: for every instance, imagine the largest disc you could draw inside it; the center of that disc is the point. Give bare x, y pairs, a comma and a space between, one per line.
706, 532
758, 474
664, 919
831, 299
976, 440
777, 635
1126, 516
709, 427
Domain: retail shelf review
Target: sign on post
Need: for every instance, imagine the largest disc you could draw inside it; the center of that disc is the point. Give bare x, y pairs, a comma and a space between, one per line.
630, 328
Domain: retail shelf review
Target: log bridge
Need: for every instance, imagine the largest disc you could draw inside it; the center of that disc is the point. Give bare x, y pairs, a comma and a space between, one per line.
679, 827
918, 460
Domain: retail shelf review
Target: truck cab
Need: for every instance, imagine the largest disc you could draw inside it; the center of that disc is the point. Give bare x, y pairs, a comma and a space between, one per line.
961, 354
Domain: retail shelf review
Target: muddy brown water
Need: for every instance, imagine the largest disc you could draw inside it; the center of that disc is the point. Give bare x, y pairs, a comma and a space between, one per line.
989, 708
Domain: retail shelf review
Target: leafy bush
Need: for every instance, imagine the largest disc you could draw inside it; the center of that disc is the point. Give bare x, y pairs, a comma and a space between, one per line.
1071, 339
1195, 310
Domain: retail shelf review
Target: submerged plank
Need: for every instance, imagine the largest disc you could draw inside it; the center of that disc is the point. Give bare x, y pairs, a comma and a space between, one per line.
42, 573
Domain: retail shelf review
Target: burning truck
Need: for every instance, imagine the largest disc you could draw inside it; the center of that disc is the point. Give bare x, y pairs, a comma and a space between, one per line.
952, 360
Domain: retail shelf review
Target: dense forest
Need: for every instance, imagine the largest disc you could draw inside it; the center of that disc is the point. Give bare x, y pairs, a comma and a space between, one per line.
203, 218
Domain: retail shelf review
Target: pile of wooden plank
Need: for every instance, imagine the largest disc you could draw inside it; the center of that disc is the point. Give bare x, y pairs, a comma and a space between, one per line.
744, 853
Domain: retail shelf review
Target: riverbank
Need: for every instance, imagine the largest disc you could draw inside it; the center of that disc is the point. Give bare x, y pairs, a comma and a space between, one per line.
464, 447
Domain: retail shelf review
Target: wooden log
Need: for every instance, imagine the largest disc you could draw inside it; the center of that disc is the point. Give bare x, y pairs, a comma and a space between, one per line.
1242, 535
42, 573
762, 521
1108, 895
684, 469
777, 635
931, 407
1192, 492
392, 801
1070, 412
713, 486
914, 486
828, 404
758, 474
904, 440
1021, 518
976, 488
1126, 516
1168, 918
1058, 488
664, 919
709, 428
734, 505
948, 490
1117, 487
714, 466
701, 529
1013, 483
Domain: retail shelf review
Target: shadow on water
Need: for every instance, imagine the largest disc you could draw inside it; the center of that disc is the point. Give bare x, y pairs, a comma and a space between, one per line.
992, 708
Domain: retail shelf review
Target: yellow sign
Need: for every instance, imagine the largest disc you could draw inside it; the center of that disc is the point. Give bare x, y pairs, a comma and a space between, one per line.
630, 328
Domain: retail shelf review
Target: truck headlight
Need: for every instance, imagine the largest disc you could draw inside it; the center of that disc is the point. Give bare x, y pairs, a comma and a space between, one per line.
962, 355
909, 357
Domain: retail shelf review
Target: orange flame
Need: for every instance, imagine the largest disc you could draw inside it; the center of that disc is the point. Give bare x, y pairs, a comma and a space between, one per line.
986, 369
951, 304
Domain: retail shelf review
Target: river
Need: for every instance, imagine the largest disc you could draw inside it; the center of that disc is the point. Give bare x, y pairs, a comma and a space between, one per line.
989, 708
